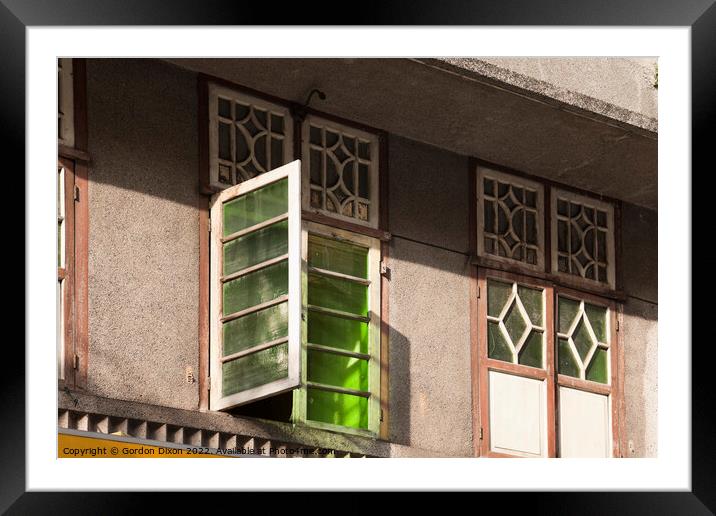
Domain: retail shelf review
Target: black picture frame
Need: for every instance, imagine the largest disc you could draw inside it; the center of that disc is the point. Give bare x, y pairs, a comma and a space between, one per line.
700, 15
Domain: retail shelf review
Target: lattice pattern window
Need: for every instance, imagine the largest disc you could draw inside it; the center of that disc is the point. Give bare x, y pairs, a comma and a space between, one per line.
65, 103
515, 323
247, 136
583, 339
583, 237
341, 171
510, 218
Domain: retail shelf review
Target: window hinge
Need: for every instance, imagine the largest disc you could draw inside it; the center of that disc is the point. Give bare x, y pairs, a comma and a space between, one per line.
381, 415
76, 363
208, 383
77, 194
481, 433
384, 269
208, 222
478, 297
617, 324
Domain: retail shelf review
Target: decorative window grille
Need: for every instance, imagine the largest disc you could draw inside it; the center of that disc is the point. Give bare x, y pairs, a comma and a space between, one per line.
510, 215
583, 237
65, 103
341, 171
248, 136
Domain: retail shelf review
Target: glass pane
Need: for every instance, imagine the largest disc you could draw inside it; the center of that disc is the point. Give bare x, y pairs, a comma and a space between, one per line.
337, 256
567, 363
256, 328
532, 301
225, 141
256, 247
337, 332
255, 288
515, 323
497, 346
338, 409
338, 294
597, 371
532, 350
598, 319
568, 309
256, 369
337, 370
582, 340
497, 294
256, 206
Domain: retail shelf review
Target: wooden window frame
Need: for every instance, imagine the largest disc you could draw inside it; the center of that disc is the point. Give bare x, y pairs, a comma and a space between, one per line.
554, 284
375, 330
76, 299
374, 170
381, 232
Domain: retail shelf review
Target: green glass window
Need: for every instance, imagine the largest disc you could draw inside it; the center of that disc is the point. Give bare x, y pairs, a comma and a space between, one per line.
338, 327
515, 323
583, 336
256, 298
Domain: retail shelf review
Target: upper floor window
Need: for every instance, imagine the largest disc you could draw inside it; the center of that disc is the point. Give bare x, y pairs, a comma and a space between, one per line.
341, 171
247, 136
583, 237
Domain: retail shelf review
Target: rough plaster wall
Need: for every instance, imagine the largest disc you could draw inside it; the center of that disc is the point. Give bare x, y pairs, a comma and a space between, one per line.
143, 240
430, 392
640, 271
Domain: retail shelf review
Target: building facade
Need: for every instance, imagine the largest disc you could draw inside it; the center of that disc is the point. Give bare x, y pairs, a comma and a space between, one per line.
462, 262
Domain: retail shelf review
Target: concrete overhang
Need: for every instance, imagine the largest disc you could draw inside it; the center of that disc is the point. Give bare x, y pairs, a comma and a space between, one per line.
467, 107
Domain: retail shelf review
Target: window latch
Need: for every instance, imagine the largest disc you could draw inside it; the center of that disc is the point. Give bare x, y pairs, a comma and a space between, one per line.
384, 269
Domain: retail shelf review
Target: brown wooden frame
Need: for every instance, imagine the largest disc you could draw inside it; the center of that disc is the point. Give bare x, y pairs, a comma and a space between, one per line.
77, 160
485, 364
206, 190
616, 356
66, 274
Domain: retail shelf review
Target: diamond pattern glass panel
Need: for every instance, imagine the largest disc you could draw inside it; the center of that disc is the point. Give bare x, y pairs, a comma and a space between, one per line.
515, 329
583, 335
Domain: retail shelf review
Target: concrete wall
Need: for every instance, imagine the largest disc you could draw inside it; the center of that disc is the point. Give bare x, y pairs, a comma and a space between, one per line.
143, 262
640, 337
144, 232
430, 396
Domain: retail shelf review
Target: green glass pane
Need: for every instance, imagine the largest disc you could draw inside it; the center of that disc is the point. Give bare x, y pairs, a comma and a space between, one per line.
256, 369
337, 409
532, 301
338, 294
497, 294
256, 287
566, 361
337, 370
253, 329
582, 340
532, 350
598, 319
597, 370
337, 332
567, 309
515, 323
256, 247
337, 256
497, 346
256, 206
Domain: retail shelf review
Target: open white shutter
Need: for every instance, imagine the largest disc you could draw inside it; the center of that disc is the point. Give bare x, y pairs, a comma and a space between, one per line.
256, 288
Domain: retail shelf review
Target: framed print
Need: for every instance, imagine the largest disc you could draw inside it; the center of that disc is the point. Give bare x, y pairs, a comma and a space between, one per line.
455, 247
